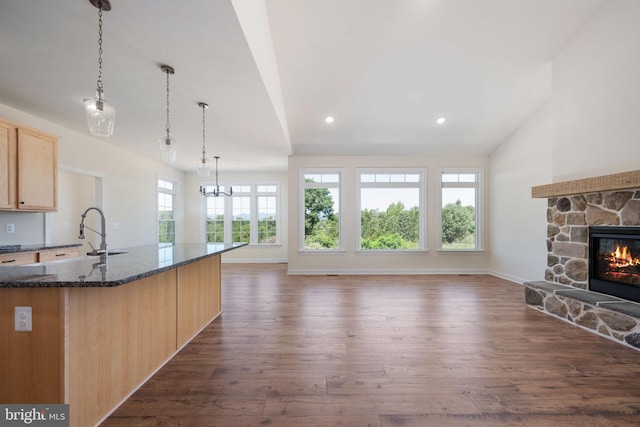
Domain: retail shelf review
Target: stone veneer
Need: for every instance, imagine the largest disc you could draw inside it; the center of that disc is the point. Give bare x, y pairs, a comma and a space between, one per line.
564, 294
604, 315
568, 221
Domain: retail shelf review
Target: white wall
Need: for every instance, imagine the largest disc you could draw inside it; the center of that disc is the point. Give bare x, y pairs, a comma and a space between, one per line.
79, 193
519, 222
195, 206
29, 228
431, 261
130, 183
596, 96
590, 129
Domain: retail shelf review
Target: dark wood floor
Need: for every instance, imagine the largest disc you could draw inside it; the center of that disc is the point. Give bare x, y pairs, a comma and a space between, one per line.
386, 351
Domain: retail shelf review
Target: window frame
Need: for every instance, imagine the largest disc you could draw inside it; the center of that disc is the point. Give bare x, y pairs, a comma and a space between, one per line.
479, 207
302, 185
174, 194
422, 188
253, 196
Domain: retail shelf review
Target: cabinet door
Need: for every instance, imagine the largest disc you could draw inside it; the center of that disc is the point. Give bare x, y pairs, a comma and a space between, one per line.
37, 171
7, 166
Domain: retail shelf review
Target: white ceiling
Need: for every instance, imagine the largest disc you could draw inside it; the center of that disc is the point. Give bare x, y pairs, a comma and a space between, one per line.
271, 70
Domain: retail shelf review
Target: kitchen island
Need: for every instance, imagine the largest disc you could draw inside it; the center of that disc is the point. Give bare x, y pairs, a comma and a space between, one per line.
100, 331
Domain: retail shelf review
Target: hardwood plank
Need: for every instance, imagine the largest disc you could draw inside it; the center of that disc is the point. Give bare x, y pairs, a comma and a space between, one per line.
386, 351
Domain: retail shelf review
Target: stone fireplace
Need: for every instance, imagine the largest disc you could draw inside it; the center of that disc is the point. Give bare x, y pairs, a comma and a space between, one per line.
585, 219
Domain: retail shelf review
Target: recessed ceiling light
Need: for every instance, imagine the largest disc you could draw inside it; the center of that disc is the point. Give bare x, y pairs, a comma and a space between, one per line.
441, 120
328, 119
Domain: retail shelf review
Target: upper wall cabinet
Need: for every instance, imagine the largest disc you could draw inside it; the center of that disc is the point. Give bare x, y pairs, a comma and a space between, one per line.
28, 169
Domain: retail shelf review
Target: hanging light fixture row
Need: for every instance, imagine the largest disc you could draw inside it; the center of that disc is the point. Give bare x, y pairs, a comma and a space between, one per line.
99, 113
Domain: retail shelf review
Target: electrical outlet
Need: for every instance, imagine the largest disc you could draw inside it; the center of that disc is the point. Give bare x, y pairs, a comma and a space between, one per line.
23, 319
9, 228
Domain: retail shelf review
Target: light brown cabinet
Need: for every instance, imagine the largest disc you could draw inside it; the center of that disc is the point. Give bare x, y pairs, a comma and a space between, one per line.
30, 257
18, 258
58, 254
28, 169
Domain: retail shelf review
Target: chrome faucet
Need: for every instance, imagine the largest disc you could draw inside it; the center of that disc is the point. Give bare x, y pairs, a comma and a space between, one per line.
103, 244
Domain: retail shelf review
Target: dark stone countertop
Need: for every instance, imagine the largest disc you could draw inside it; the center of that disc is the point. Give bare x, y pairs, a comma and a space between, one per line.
132, 264
7, 249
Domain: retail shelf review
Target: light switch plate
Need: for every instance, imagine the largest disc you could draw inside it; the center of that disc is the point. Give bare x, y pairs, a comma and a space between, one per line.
23, 319
9, 228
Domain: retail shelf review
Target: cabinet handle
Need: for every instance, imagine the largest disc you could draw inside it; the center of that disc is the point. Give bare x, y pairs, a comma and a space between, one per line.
63, 254
7, 261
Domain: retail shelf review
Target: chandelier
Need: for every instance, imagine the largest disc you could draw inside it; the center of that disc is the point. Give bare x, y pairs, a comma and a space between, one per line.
216, 191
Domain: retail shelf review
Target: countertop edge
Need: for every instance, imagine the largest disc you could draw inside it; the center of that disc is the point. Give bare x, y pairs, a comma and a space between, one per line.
35, 248
33, 282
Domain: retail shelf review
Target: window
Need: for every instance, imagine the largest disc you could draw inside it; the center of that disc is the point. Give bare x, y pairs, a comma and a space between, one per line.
251, 215
460, 209
267, 196
241, 217
166, 214
320, 215
391, 209
215, 218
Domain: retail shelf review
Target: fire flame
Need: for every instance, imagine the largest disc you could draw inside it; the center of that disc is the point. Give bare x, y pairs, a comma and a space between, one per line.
622, 257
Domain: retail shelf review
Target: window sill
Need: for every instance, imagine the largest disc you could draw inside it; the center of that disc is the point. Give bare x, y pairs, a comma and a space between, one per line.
322, 252
461, 251
391, 252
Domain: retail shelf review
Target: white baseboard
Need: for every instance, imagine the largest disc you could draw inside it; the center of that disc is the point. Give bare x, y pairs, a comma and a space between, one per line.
325, 272
254, 261
508, 277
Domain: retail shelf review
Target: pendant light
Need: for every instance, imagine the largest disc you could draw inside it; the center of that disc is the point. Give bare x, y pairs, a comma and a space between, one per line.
99, 113
216, 191
167, 144
204, 165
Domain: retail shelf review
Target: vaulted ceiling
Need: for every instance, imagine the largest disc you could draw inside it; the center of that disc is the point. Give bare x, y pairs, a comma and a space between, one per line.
272, 70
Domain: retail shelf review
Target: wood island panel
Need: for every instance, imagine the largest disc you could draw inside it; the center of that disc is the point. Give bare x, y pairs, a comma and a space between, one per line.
199, 297
117, 338
31, 362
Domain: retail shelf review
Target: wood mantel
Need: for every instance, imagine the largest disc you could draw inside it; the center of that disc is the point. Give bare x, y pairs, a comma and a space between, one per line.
617, 181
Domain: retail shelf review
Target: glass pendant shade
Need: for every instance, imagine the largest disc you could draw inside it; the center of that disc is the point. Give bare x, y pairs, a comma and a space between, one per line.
204, 167
168, 149
100, 115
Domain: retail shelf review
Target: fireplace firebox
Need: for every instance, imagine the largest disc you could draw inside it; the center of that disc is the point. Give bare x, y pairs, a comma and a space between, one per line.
614, 261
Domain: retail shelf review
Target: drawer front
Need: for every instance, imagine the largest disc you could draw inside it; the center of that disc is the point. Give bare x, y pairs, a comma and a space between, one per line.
18, 258
56, 254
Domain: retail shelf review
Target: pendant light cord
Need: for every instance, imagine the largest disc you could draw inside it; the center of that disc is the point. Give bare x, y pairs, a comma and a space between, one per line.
167, 104
204, 107
100, 47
